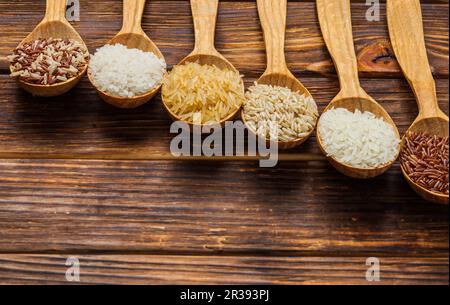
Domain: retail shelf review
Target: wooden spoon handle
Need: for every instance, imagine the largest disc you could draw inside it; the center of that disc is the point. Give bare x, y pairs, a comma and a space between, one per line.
132, 16
56, 10
272, 14
204, 13
336, 24
407, 37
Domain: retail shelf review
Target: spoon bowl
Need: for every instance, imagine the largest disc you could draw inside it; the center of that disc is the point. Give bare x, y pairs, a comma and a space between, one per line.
286, 80
54, 25
272, 14
435, 126
208, 59
133, 37
212, 60
204, 13
336, 26
407, 37
362, 104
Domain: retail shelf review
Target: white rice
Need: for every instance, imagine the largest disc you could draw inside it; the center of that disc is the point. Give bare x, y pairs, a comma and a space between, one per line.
125, 72
358, 139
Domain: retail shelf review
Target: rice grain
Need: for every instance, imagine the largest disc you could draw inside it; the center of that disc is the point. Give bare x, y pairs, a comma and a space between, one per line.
204, 91
425, 159
278, 113
123, 72
358, 139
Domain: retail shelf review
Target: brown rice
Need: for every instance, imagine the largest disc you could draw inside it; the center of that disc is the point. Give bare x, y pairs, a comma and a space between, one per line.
425, 159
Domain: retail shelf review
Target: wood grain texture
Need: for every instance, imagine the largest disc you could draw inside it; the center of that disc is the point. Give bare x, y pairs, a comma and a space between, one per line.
272, 16
335, 18
102, 132
248, 270
80, 125
407, 36
204, 18
66, 186
239, 37
194, 207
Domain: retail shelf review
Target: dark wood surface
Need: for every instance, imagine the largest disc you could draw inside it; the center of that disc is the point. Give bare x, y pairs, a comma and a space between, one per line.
144, 269
79, 177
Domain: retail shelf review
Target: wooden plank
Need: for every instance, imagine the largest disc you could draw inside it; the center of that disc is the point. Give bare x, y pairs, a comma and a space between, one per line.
166, 222
300, 208
188, 270
239, 36
80, 125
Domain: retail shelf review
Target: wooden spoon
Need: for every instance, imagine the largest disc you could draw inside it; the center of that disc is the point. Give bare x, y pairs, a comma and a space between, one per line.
54, 25
133, 37
272, 14
204, 13
336, 25
407, 37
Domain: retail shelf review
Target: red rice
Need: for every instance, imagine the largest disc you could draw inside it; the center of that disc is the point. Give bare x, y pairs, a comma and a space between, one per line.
425, 159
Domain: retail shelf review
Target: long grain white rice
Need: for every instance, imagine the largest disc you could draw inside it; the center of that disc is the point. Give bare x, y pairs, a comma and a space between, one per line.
125, 72
358, 139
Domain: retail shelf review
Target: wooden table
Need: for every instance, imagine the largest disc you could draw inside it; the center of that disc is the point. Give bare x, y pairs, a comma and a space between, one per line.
81, 178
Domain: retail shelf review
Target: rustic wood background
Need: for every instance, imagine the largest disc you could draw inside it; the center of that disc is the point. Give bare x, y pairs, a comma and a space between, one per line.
79, 177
